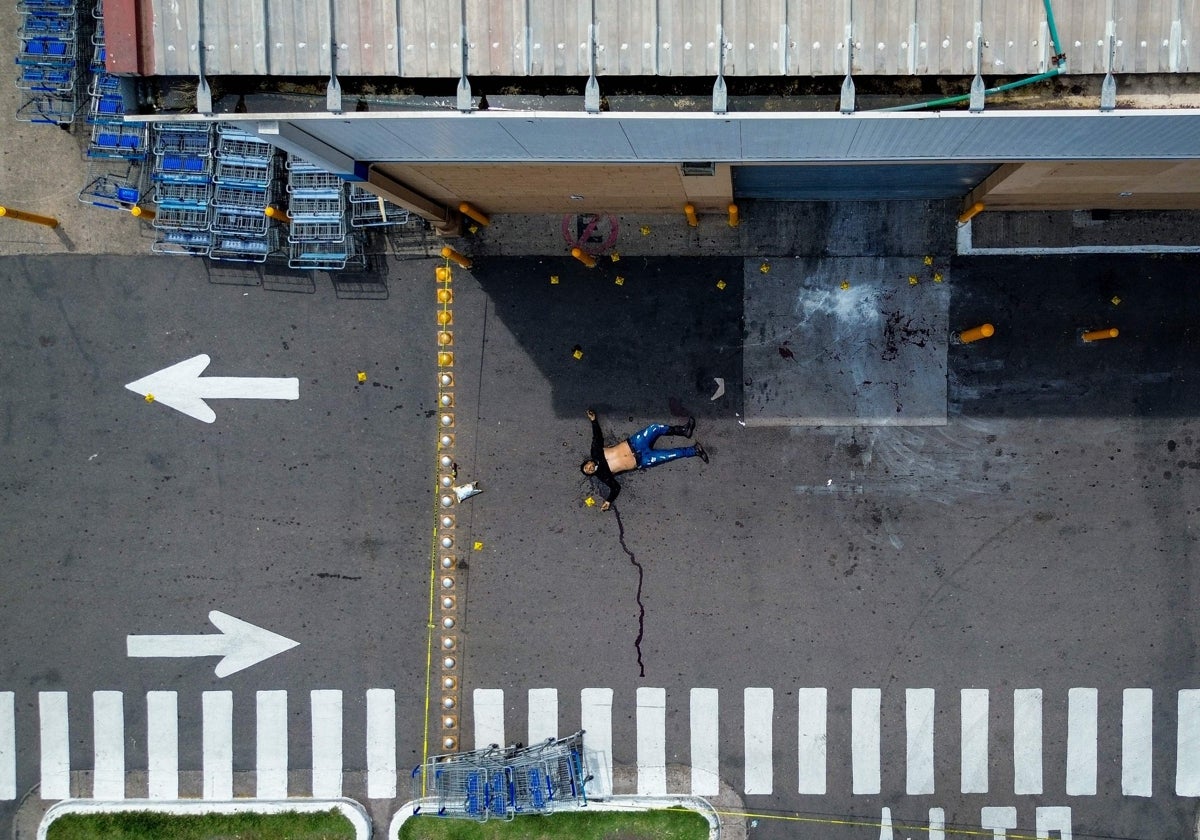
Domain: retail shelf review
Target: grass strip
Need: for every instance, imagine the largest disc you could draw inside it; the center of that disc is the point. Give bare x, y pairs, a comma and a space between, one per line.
665, 824
148, 825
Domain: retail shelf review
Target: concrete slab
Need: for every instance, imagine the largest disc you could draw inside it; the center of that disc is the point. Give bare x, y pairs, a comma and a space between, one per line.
845, 341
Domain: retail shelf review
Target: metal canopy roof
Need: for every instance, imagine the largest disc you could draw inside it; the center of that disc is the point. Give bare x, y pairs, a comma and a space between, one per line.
424, 38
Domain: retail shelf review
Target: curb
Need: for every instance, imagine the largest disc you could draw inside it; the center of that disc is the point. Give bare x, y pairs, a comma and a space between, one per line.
612, 803
348, 808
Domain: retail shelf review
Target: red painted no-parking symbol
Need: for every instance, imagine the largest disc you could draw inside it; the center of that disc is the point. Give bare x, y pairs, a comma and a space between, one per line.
593, 233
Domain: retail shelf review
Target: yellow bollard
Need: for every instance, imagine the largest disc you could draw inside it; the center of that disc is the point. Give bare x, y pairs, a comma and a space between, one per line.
468, 210
22, 216
450, 254
733, 216
278, 215
1100, 335
976, 333
970, 213
142, 213
586, 259
689, 210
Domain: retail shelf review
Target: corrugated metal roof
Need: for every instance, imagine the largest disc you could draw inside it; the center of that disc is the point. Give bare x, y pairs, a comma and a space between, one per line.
422, 38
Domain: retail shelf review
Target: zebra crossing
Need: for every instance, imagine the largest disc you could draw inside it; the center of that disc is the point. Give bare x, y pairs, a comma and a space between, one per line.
816, 713
811, 711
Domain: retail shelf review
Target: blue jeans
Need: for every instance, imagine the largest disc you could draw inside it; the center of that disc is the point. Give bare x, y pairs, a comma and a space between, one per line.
642, 444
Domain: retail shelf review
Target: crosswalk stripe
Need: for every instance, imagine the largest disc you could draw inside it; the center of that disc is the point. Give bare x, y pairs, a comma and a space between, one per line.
973, 741
937, 824
918, 723
271, 746
543, 714
865, 705
1027, 741
705, 755
381, 743
758, 719
162, 744
56, 745
217, 736
489, 718
1137, 741
596, 719
652, 741
813, 747
8, 746
1187, 744
108, 735
326, 743
1082, 708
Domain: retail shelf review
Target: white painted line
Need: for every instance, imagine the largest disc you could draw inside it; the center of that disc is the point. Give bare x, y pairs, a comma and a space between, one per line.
937, 824
814, 748
918, 724
652, 741
55, 745
162, 744
217, 713
1047, 819
758, 721
240, 644
864, 739
595, 718
998, 819
965, 248
8, 746
489, 718
181, 387
108, 734
973, 740
1027, 741
1137, 741
271, 747
326, 743
705, 750
1187, 744
543, 715
381, 743
1081, 741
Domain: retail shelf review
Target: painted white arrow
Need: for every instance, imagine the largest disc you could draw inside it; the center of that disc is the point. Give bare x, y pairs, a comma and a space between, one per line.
240, 644
720, 388
181, 387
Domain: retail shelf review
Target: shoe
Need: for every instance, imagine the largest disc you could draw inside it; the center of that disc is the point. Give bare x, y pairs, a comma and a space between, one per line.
700, 451
690, 427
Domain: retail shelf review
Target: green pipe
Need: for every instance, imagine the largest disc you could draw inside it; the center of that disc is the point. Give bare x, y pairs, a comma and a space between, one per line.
1053, 29
954, 100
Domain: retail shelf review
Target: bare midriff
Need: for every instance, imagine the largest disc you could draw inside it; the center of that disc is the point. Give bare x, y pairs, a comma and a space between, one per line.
620, 457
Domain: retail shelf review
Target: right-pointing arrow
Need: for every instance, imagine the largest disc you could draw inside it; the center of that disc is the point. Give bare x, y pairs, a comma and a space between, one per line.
240, 644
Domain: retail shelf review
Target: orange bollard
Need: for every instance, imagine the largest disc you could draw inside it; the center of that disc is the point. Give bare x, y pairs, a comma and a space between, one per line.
450, 254
468, 210
586, 259
970, 213
278, 215
976, 333
22, 216
142, 213
689, 210
733, 215
1100, 335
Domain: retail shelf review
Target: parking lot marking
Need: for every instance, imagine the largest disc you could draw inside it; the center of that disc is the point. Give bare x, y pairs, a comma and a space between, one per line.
271, 745
381, 743
326, 743
1137, 741
489, 717
813, 747
543, 714
759, 710
595, 718
705, 755
652, 741
1081, 741
864, 740
56, 745
918, 720
1027, 741
108, 733
973, 743
8, 747
217, 725
1187, 741
162, 744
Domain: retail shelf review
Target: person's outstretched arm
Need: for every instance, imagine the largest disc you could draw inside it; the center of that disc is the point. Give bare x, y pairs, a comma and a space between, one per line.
602, 471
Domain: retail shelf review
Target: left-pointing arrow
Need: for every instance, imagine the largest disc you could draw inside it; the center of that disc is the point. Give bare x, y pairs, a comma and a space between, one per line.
181, 387
240, 644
